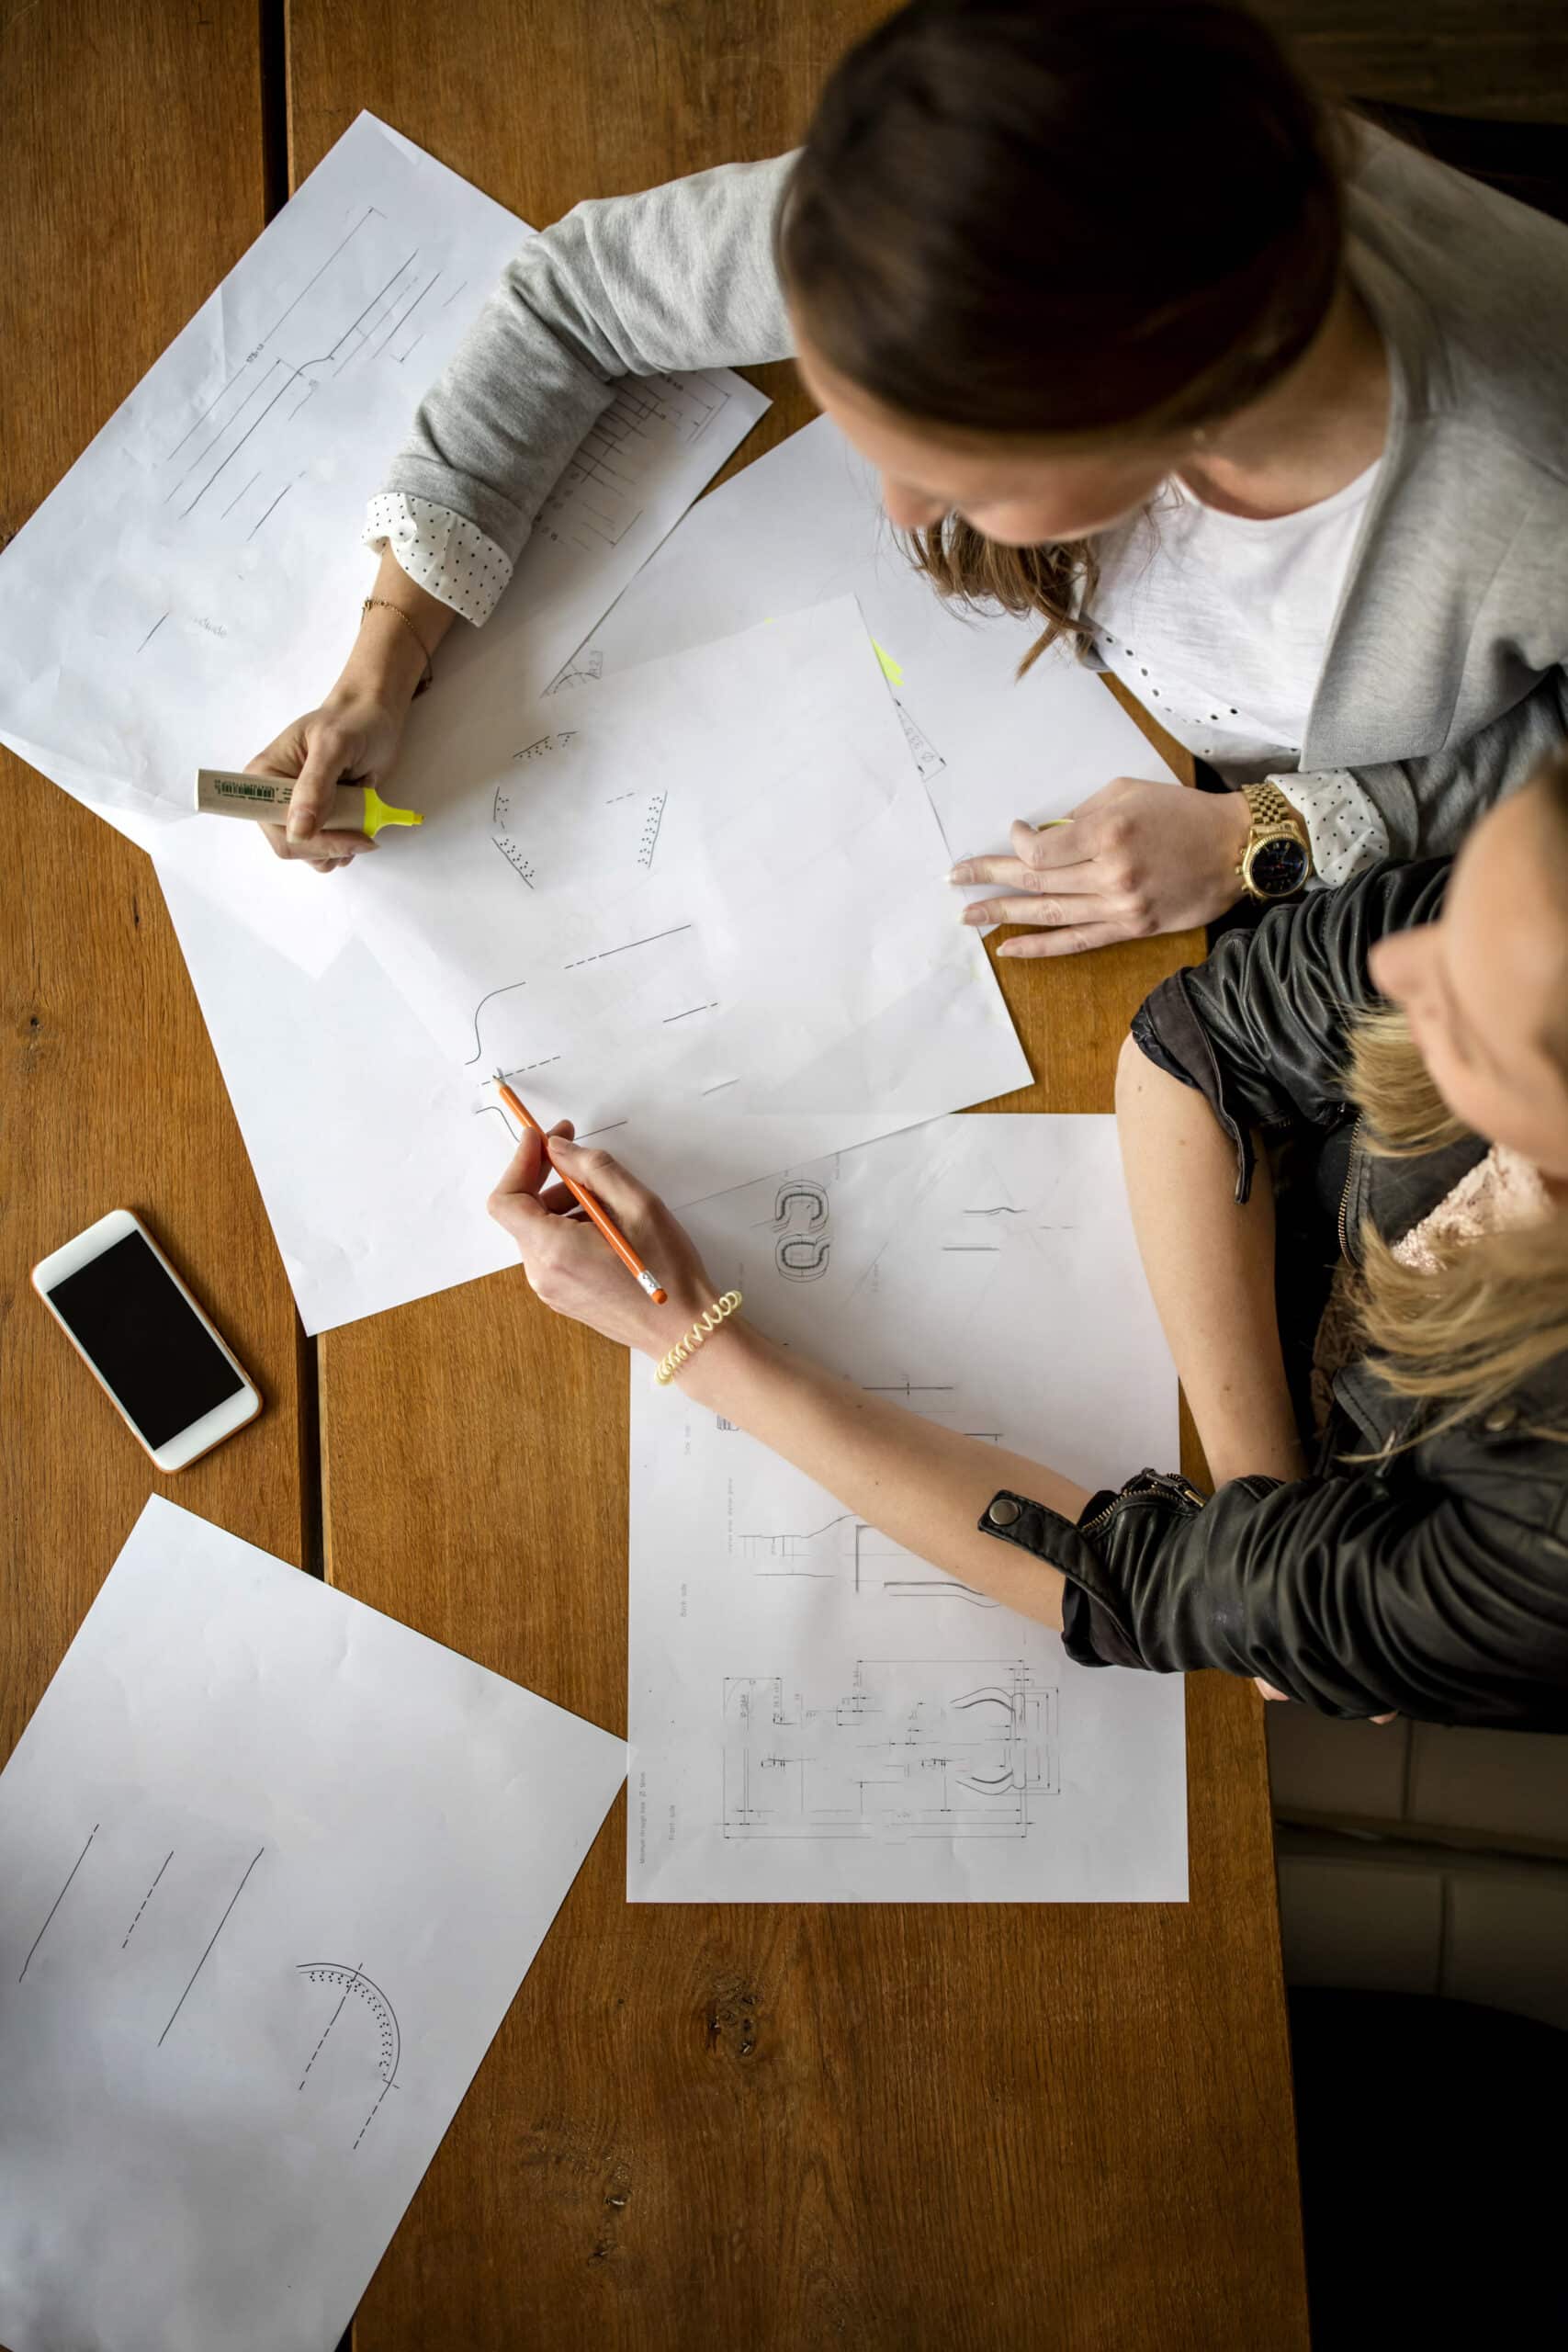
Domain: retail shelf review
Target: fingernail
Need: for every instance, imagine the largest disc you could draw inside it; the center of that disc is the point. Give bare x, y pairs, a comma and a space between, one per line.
1006, 949
302, 827
961, 872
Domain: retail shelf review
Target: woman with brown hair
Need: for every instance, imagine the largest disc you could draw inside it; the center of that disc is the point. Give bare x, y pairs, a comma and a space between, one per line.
1251, 404
1411, 1032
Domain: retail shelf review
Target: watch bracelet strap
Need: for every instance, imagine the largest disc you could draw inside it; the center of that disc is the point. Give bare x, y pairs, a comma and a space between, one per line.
1269, 806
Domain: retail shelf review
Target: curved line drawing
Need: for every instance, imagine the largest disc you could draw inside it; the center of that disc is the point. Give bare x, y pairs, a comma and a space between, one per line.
812, 1196
801, 1259
355, 1981
478, 1008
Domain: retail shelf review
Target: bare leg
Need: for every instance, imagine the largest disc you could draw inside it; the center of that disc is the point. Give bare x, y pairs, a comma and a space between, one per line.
1211, 1268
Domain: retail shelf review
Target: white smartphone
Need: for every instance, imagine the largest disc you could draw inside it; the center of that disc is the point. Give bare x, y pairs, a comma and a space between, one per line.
178, 1388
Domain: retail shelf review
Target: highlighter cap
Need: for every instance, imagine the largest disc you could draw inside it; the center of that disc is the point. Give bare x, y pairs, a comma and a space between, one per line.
378, 813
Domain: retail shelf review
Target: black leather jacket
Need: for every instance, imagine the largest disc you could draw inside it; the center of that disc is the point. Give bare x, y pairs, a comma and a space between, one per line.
1432, 1579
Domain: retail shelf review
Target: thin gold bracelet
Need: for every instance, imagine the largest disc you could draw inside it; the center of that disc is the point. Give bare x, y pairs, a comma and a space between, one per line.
708, 1320
385, 605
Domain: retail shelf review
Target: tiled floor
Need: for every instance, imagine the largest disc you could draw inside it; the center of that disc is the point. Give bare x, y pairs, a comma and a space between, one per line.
1418, 1860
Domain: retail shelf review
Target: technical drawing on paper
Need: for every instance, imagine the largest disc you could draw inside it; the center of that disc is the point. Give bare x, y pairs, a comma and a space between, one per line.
600, 495
802, 1249
916, 1747
538, 855
928, 759
584, 667
353, 1983
869, 1562
324, 330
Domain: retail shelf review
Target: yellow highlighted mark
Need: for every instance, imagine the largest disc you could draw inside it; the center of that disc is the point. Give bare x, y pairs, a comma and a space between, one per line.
891, 670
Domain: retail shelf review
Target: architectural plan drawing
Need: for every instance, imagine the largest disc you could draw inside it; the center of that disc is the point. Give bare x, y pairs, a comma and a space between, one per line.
272, 1869
912, 1749
818, 1714
804, 523
647, 910
195, 580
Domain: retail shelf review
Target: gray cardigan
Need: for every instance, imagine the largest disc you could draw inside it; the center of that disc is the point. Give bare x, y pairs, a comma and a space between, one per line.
1444, 679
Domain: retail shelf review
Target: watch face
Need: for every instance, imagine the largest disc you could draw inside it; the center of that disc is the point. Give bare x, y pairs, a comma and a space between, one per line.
1278, 867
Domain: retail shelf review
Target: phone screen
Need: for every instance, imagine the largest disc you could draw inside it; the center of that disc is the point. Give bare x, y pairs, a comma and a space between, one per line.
158, 1357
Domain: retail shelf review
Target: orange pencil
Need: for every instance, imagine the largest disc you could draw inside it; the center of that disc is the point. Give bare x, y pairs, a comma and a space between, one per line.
617, 1239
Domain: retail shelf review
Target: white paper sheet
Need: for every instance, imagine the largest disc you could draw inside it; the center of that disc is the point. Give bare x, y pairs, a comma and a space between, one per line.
805, 522
702, 910
819, 1717
193, 584
272, 1868
361, 1143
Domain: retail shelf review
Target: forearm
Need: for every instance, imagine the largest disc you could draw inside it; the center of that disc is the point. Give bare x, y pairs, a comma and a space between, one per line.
923, 1485
388, 657
1209, 1265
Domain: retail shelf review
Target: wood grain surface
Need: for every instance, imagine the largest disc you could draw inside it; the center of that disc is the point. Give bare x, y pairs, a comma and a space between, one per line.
130, 181
779, 2127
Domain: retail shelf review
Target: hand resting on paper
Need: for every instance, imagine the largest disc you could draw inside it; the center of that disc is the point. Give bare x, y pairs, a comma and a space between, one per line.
572, 1270
1133, 859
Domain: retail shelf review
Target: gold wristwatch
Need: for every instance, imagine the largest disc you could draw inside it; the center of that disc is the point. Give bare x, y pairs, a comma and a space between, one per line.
1277, 860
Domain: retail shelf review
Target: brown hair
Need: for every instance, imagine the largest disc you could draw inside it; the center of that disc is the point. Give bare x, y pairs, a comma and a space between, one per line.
1076, 216
1460, 1341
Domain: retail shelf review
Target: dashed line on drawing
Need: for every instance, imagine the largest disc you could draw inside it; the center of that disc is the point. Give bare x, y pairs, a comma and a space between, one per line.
370, 2118
147, 1896
626, 946
325, 2031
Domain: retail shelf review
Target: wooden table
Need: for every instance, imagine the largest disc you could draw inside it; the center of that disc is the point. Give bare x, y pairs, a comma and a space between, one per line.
765, 2128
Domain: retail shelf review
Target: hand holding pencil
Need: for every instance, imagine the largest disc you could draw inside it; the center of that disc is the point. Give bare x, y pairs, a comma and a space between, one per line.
583, 1197
574, 1267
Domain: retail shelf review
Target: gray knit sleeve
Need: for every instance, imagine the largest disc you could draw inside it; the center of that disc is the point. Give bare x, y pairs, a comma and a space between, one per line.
679, 277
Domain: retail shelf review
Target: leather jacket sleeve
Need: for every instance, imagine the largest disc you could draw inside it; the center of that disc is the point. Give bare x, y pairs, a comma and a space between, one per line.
1261, 1028
1355, 1593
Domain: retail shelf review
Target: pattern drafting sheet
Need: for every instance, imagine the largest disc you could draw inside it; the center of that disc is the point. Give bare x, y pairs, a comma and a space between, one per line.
817, 1715
805, 522
272, 1868
194, 582
702, 910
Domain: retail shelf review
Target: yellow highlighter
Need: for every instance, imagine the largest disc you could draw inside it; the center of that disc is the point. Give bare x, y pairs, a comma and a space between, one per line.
354, 807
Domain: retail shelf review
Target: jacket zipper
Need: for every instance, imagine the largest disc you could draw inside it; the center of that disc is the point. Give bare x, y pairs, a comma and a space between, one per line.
1180, 1488
1345, 1189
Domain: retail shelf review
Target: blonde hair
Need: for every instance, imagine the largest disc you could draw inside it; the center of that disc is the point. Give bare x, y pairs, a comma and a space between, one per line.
1497, 1309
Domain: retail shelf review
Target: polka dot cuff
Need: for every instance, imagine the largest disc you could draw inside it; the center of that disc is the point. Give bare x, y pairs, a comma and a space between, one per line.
448, 556
1343, 824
